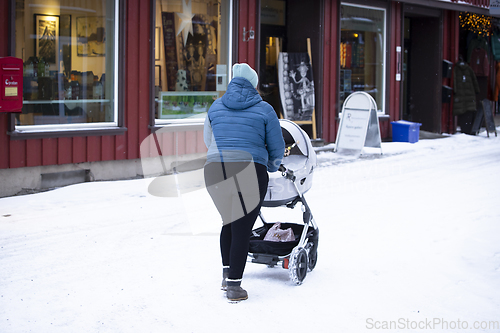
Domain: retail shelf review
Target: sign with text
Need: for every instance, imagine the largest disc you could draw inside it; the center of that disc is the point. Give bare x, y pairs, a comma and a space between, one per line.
359, 125
494, 7
272, 12
353, 128
11, 84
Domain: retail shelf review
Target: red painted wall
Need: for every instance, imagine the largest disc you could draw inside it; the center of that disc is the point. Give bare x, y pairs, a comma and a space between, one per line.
247, 18
478, 3
4, 52
331, 107
330, 71
394, 97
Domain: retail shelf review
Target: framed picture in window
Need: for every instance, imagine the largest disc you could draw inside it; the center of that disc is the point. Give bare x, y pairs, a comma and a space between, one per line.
185, 104
47, 37
91, 36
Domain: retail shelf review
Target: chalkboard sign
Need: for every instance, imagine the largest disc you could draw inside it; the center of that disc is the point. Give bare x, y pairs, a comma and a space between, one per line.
488, 118
478, 121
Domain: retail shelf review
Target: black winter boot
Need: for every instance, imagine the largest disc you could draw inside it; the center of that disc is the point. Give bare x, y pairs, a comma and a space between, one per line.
225, 274
234, 291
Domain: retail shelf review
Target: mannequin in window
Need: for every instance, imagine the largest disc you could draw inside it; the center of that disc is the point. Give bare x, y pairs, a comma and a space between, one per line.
465, 88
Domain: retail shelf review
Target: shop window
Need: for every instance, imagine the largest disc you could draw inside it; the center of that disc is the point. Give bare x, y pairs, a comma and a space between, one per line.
69, 54
362, 52
192, 57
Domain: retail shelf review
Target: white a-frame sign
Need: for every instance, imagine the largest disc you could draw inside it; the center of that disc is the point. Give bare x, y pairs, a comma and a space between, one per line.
359, 125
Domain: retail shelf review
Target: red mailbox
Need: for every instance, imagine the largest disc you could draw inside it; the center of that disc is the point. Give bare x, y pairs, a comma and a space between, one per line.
11, 84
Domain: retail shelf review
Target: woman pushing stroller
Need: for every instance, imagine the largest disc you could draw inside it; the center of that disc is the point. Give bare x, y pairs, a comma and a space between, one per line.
244, 141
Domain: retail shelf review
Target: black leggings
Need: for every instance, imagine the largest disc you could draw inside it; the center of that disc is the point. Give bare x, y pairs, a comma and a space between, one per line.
238, 190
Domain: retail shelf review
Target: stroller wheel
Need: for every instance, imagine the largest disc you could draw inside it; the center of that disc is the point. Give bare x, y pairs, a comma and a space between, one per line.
298, 265
313, 259
312, 249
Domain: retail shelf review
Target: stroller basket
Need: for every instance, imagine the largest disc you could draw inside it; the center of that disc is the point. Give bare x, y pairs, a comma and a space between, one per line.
259, 245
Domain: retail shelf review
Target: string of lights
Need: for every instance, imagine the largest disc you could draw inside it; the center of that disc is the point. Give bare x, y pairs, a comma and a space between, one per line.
479, 24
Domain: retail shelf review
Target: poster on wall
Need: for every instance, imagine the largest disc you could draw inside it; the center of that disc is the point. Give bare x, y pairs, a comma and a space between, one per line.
190, 57
47, 37
296, 86
168, 22
91, 36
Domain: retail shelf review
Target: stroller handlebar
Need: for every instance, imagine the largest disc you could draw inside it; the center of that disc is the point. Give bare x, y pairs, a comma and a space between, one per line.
287, 173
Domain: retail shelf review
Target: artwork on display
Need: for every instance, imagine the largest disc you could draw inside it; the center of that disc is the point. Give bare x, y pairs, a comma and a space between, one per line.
296, 86
47, 37
91, 36
168, 22
174, 105
65, 44
190, 52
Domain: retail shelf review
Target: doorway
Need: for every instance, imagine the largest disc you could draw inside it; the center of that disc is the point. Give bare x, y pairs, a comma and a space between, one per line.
272, 41
286, 26
422, 72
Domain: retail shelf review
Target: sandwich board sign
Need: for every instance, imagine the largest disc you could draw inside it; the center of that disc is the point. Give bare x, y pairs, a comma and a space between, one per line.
359, 126
484, 115
488, 118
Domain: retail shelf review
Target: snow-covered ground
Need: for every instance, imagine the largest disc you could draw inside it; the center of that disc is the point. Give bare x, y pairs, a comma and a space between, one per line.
409, 241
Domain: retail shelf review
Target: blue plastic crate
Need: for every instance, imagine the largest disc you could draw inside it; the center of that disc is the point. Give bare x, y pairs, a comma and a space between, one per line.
405, 131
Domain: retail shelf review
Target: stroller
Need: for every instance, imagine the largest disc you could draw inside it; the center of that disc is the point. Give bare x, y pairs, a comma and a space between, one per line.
286, 189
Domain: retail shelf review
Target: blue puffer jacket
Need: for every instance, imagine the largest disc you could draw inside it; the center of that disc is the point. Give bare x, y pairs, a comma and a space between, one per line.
240, 121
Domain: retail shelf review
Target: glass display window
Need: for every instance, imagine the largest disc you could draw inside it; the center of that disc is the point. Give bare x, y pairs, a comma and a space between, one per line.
70, 63
362, 52
192, 57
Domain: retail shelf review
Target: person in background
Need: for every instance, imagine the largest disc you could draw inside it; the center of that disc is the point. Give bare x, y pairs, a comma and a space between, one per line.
245, 142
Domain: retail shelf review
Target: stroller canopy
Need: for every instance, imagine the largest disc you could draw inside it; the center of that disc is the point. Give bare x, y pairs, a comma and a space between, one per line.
292, 133
300, 157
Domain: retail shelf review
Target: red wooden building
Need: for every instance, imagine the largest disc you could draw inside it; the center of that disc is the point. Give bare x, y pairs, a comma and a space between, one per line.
101, 76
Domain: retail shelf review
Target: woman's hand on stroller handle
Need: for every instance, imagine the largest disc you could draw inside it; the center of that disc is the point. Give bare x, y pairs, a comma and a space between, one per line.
287, 173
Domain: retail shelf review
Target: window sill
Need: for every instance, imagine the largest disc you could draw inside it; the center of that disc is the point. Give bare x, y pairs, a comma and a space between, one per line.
178, 126
64, 133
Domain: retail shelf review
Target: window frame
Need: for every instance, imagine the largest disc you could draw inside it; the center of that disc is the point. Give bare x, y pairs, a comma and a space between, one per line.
156, 123
381, 108
116, 127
